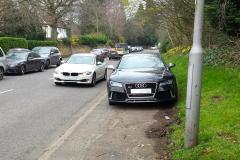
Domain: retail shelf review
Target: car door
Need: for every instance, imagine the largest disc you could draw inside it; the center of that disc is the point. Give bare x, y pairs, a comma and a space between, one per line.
30, 62
37, 62
100, 67
54, 56
2, 56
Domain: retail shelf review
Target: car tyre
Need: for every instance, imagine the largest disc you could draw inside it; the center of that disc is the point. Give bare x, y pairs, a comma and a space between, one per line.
59, 63
111, 103
47, 64
1, 73
22, 70
105, 75
93, 83
58, 84
41, 69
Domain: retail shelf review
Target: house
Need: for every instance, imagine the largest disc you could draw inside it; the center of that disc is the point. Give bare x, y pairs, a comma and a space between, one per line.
62, 30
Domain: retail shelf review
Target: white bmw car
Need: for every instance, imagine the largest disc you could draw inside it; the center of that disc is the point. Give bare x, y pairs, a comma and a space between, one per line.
82, 69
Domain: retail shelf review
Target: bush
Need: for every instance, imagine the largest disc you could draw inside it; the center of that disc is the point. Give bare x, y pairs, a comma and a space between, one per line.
8, 42
182, 50
110, 43
75, 40
35, 43
93, 39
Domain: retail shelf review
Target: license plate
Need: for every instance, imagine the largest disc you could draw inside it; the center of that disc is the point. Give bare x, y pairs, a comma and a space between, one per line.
69, 78
141, 91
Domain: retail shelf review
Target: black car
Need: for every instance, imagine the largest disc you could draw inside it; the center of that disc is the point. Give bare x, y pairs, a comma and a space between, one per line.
23, 60
142, 78
51, 55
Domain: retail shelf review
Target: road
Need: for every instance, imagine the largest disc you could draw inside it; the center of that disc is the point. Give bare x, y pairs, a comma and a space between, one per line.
39, 120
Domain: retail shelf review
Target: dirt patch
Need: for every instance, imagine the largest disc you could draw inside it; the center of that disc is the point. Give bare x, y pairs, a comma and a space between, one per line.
217, 98
160, 131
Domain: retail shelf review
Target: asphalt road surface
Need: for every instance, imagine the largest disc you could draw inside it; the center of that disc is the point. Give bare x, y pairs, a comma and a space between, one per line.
37, 117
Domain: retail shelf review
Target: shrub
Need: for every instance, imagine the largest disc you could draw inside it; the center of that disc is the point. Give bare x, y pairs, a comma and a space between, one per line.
75, 40
93, 39
9, 42
178, 50
110, 43
35, 43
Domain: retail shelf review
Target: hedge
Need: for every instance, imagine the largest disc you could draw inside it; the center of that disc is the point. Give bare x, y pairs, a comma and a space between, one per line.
93, 39
9, 42
35, 43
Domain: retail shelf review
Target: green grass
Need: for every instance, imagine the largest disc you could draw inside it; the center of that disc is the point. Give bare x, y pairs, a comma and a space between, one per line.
219, 134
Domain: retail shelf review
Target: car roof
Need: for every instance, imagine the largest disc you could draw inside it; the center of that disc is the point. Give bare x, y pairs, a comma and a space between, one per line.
142, 54
19, 49
84, 54
45, 47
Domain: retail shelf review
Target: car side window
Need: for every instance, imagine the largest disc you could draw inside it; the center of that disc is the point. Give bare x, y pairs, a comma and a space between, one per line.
35, 55
100, 59
56, 51
1, 53
30, 55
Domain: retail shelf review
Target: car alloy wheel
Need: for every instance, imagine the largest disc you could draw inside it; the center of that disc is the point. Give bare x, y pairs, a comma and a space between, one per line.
22, 70
1, 73
41, 68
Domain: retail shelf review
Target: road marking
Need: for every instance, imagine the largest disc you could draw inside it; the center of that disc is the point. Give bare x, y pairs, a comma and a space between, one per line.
10, 90
58, 142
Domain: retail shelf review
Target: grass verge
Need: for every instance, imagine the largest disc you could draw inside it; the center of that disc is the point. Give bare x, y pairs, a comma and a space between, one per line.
219, 134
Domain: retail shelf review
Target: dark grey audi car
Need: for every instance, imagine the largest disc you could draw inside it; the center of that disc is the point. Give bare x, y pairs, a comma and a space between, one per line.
141, 78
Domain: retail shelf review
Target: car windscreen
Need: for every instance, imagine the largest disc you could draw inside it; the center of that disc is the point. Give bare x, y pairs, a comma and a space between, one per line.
17, 55
42, 50
77, 59
140, 61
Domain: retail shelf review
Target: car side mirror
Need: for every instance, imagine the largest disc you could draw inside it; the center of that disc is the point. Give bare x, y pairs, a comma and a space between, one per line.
111, 67
99, 63
29, 58
52, 52
62, 61
171, 65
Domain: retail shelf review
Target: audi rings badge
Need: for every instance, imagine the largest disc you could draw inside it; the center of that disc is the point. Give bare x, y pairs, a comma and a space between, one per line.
140, 85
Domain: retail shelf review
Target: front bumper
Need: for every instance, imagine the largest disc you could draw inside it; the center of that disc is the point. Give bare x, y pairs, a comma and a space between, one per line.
120, 95
15, 69
80, 79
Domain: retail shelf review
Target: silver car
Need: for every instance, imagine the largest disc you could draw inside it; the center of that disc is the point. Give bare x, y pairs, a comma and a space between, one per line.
3, 63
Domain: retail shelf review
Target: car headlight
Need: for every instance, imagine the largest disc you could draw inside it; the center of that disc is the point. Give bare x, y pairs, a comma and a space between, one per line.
166, 82
12, 65
87, 73
115, 84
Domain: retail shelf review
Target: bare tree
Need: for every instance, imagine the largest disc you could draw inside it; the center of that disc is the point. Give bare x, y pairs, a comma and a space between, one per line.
54, 9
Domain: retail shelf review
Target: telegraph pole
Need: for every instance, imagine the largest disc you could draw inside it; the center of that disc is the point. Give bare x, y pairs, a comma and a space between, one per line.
194, 79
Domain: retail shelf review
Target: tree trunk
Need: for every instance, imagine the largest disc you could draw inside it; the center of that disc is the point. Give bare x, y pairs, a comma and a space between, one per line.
54, 28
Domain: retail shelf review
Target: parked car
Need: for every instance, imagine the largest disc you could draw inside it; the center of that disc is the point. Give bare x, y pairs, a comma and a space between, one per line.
81, 69
3, 63
100, 52
114, 55
23, 60
51, 55
148, 81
